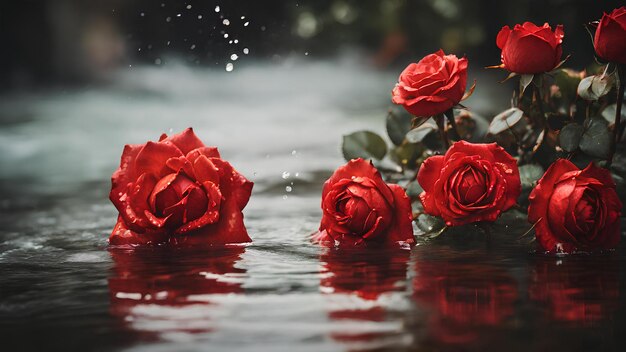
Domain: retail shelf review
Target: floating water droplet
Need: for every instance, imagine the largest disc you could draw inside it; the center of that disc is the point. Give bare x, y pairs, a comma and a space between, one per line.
199, 17
306, 53
236, 41
234, 57
243, 17
142, 14
178, 15
229, 67
285, 197
246, 51
297, 174
217, 8
193, 46
246, 24
288, 189
293, 152
168, 18
225, 35
286, 175
226, 22
188, 7
157, 61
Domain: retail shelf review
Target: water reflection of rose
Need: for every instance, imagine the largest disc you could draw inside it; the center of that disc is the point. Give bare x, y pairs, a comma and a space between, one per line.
463, 298
160, 290
365, 274
580, 290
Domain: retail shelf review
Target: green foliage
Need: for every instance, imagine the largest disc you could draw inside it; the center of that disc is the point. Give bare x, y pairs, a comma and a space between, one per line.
418, 134
398, 124
595, 87
529, 174
569, 137
363, 144
505, 120
596, 140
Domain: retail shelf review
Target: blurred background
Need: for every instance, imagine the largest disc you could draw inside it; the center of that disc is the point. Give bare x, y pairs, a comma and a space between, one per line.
79, 42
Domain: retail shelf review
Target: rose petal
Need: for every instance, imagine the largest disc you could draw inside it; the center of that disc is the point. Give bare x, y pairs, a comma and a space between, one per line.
153, 158
186, 141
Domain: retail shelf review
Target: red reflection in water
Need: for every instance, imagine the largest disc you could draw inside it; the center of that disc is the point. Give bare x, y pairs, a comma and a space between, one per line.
158, 290
463, 298
580, 290
366, 273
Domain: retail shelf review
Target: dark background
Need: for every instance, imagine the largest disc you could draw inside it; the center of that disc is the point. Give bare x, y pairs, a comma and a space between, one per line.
77, 41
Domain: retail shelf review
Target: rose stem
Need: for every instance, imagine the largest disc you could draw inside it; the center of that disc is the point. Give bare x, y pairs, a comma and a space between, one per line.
441, 124
539, 98
617, 128
455, 132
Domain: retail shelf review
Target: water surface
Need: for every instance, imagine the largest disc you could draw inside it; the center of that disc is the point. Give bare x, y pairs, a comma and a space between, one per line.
280, 125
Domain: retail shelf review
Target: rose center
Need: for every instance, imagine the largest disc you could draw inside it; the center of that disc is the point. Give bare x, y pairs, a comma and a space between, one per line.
178, 199
471, 186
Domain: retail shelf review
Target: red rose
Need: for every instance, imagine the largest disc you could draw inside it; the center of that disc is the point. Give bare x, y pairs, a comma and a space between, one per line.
179, 191
359, 207
529, 48
610, 39
472, 182
575, 209
432, 86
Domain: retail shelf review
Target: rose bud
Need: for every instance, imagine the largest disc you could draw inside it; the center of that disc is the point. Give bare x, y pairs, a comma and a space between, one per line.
610, 38
470, 183
529, 49
575, 210
432, 86
177, 190
359, 208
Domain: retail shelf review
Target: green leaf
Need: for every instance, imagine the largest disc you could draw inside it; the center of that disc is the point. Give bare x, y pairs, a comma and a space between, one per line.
569, 136
398, 124
429, 224
596, 140
413, 189
609, 114
524, 81
595, 87
529, 174
363, 144
418, 134
505, 120
406, 154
